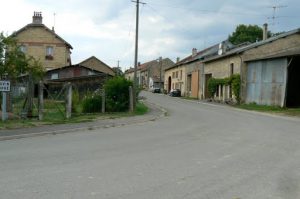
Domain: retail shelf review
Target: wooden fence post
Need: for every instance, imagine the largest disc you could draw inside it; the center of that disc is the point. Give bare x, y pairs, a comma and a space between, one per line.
41, 100
4, 113
68, 100
30, 96
103, 101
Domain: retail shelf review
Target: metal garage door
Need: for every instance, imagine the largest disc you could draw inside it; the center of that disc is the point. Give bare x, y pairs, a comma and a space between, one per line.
266, 82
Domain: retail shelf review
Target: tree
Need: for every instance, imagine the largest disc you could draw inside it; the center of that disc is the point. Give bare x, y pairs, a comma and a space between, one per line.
244, 33
13, 62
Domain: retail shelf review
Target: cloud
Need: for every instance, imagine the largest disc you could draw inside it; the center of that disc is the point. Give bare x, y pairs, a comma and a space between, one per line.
106, 28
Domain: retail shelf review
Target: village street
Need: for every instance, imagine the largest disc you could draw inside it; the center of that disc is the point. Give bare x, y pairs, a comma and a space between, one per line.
197, 151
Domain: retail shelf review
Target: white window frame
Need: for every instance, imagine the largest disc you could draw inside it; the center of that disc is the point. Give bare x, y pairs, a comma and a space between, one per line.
49, 50
54, 76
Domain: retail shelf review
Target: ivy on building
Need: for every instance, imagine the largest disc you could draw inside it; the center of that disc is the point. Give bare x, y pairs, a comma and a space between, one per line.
234, 81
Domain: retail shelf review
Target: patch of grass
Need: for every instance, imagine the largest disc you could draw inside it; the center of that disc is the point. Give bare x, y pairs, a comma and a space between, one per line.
190, 98
270, 109
54, 116
141, 109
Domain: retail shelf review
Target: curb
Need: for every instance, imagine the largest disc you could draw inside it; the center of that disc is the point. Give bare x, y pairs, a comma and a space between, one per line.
151, 106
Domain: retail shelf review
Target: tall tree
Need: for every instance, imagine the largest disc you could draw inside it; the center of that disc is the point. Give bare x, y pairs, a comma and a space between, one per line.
246, 33
13, 62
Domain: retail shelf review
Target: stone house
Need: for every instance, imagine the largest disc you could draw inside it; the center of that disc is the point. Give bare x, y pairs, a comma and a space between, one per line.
129, 74
186, 74
269, 69
96, 64
88, 75
42, 43
150, 74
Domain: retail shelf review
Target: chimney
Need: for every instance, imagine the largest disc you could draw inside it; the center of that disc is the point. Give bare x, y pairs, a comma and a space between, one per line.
37, 18
194, 52
265, 31
177, 59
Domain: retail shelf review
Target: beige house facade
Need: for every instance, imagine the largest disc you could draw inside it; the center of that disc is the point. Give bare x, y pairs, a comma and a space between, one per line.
42, 43
150, 74
269, 71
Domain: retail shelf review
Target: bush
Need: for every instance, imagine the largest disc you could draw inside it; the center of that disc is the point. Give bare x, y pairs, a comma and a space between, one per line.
117, 94
75, 101
236, 85
92, 103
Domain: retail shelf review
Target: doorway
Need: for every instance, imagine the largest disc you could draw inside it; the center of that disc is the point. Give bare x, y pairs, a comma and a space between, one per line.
207, 94
293, 83
169, 84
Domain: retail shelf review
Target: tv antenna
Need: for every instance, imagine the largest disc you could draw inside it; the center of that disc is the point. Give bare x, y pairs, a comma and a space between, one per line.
54, 15
275, 8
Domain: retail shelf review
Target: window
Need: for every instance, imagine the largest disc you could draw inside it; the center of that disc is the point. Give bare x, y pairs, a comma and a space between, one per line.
49, 53
92, 73
181, 75
231, 69
23, 48
176, 74
54, 76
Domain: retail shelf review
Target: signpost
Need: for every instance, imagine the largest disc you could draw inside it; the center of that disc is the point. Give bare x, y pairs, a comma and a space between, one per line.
4, 87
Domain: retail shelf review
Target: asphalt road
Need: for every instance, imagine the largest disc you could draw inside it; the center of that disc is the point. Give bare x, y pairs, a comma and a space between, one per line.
197, 151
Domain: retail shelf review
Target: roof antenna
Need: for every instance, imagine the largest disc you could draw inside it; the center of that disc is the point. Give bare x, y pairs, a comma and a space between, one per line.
54, 14
275, 8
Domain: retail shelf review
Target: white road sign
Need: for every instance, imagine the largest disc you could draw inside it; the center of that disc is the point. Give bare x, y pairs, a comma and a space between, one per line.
5, 86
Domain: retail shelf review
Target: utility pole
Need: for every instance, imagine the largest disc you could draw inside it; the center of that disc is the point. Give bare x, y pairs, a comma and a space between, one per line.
160, 64
136, 50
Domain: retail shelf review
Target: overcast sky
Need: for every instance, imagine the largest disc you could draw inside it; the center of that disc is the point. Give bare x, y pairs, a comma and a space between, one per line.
168, 28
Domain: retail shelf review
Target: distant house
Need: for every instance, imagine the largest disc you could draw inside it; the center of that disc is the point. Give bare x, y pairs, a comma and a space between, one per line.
187, 73
88, 75
269, 69
37, 40
129, 74
150, 74
97, 65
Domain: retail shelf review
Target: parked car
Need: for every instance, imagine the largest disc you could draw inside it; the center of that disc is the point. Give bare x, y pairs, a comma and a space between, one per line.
175, 93
156, 90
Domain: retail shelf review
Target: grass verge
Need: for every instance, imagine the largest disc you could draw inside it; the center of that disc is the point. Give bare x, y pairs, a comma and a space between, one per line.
271, 109
57, 117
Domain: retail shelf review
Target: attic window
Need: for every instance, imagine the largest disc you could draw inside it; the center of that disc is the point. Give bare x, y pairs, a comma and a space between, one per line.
49, 53
90, 72
54, 76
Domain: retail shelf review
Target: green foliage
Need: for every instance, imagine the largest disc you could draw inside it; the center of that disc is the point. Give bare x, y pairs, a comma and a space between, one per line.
75, 101
13, 62
234, 81
244, 33
213, 84
236, 86
117, 94
92, 103
141, 109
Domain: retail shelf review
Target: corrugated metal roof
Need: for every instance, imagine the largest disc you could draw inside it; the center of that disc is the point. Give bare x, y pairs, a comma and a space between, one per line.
278, 55
254, 45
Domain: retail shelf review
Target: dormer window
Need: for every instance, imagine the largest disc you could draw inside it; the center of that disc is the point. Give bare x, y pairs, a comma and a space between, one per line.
49, 53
